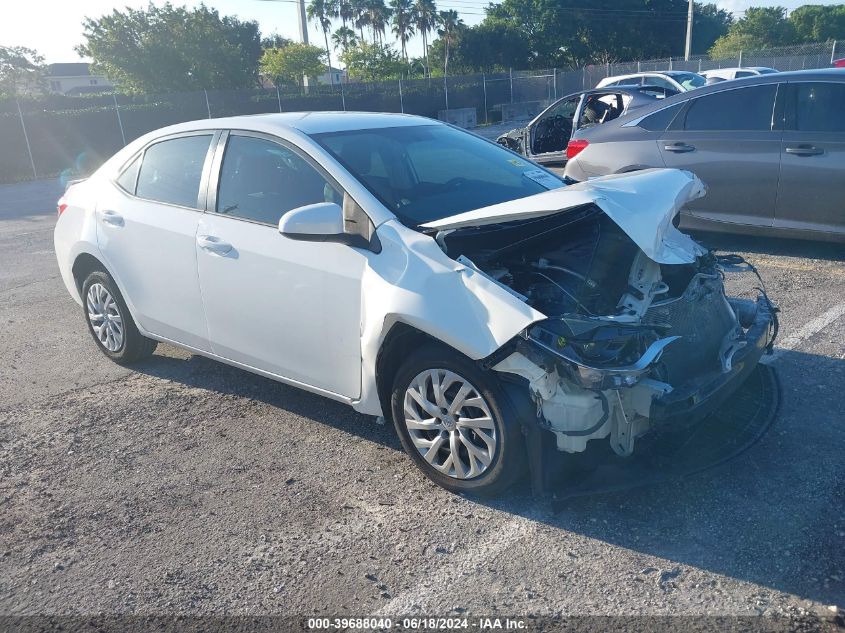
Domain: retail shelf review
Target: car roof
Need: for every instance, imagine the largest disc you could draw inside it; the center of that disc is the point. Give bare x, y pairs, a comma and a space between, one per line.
305, 122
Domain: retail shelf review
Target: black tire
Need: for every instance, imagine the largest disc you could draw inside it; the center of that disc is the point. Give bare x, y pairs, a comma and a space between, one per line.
134, 346
508, 463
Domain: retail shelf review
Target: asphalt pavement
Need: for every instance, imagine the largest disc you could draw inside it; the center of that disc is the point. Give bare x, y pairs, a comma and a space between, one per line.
183, 486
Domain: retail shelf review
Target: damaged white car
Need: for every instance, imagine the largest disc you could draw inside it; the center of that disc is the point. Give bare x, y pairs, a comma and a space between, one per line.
418, 273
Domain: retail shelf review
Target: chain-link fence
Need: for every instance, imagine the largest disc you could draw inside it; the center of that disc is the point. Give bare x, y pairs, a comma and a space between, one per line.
47, 136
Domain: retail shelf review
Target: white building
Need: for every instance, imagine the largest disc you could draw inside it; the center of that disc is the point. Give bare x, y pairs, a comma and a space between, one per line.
74, 78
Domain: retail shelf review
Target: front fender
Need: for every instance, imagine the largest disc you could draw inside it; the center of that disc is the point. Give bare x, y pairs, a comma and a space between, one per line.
412, 281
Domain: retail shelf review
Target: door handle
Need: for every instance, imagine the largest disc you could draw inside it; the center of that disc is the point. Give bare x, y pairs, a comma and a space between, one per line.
679, 148
112, 217
214, 245
804, 150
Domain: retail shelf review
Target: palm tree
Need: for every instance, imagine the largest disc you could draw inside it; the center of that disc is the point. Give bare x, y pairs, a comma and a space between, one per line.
379, 16
361, 17
403, 23
344, 38
425, 20
450, 23
322, 12
345, 11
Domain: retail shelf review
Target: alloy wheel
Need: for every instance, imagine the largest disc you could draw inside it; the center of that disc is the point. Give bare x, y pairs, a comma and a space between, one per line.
450, 424
104, 316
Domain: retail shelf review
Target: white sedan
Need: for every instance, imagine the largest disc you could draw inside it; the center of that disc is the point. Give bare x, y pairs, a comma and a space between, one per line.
416, 272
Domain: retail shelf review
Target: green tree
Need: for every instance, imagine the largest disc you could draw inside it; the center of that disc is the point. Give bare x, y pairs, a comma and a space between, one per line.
759, 28
292, 63
361, 16
372, 62
321, 12
709, 24
171, 49
450, 24
274, 41
569, 33
345, 11
817, 23
378, 17
20, 69
425, 21
487, 47
344, 38
403, 23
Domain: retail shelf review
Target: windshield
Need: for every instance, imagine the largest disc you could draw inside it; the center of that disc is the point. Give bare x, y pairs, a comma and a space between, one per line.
690, 80
429, 172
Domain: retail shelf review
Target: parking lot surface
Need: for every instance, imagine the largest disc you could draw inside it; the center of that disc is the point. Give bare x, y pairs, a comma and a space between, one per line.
183, 486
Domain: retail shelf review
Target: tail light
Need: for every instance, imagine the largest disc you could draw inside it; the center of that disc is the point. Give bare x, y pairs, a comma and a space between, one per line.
575, 146
61, 205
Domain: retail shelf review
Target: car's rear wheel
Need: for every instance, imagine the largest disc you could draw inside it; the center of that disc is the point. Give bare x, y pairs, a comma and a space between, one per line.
456, 422
109, 321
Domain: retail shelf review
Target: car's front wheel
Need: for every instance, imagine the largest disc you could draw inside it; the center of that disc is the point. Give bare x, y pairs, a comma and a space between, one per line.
109, 321
456, 422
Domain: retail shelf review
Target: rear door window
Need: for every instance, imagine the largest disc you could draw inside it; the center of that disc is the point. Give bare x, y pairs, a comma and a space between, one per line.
172, 170
740, 109
819, 106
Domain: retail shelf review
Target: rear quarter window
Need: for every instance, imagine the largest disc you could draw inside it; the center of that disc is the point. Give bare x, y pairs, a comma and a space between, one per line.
661, 119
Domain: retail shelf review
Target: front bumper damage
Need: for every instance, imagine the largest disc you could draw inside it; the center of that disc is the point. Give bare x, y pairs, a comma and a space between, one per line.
578, 402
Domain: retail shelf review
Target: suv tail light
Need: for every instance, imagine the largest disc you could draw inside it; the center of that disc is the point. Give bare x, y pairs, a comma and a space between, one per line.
61, 205
575, 146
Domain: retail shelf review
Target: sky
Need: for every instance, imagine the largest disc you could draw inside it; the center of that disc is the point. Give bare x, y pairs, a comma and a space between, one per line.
53, 27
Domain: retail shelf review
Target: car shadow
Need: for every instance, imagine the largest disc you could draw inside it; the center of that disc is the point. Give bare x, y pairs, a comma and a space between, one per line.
774, 246
771, 515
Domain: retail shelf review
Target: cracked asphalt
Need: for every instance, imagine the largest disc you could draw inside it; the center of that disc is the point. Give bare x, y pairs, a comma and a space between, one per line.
185, 487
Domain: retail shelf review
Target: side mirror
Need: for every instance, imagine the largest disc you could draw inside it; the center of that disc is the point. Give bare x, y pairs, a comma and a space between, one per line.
321, 222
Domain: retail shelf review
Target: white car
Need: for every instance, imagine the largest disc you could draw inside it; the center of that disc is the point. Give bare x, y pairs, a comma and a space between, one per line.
738, 73
413, 271
678, 80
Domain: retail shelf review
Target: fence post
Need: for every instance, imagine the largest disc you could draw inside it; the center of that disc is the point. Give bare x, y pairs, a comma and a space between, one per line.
554, 81
584, 78
279, 97
833, 53
740, 58
511, 78
401, 100
608, 70
484, 86
119, 122
26, 138
670, 63
699, 65
342, 93
638, 65
207, 104
446, 91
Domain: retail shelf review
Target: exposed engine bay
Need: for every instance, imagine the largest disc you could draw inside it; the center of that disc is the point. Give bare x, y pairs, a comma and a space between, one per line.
628, 342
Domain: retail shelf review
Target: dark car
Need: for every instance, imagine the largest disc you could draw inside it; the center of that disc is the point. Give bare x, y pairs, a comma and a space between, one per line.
545, 138
770, 149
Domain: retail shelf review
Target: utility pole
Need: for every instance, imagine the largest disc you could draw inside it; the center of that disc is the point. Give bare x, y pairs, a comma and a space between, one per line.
688, 47
303, 23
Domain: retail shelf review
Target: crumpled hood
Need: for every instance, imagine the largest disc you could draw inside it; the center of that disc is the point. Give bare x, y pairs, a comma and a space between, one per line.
641, 203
